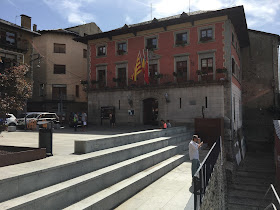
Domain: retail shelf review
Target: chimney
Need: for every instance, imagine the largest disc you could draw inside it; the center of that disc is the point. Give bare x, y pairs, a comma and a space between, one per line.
34, 27
25, 21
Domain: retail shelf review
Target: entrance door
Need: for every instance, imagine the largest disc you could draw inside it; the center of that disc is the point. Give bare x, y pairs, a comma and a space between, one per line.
150, 111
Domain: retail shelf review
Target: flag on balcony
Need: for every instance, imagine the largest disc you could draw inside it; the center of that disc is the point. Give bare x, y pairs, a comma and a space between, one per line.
137, 68
145, 67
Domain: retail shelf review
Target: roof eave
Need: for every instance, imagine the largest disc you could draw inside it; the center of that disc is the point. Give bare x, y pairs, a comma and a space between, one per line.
236, 14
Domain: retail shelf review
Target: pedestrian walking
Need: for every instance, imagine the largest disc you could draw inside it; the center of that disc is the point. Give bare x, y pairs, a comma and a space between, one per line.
84, 120
112, 118
194, 146
75, 121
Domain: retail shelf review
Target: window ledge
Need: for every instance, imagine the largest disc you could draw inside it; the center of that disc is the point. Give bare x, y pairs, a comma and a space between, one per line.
207, 41
101, 56
181, 45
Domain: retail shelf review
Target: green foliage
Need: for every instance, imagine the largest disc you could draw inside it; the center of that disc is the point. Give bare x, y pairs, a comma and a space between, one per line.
15, 89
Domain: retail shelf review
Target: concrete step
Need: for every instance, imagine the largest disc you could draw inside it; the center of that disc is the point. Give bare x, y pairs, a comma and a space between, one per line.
250, 202
118, 193
249, 187
56, 171
232, 206
253, 181
258, 195
259, 175
90, 145
66, 193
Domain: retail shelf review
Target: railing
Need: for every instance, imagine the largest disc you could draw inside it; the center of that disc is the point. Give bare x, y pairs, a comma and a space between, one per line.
203, 173
274, 198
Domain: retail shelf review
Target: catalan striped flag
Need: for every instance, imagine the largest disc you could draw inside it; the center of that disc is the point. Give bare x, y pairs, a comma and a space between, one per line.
137, 68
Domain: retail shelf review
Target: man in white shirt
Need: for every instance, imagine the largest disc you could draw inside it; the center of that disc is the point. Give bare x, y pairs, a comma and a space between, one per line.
194, 145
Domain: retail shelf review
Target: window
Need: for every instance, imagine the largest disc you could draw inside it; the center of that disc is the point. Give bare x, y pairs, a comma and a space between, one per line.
182, 70
59, 69
101, 78
77, 91
101, 50
181, 38
207, 68
84, 53
41, 89
121, 77
7, 38
58, 92
233, 66
122, 48
59, 48
153, 74
206, 34
151, 43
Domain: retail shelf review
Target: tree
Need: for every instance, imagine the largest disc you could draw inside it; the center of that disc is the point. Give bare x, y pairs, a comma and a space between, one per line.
15, 89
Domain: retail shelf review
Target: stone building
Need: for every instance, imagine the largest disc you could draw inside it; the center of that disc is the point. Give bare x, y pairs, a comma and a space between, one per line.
58, 72
194, 69
260, 85
16, 43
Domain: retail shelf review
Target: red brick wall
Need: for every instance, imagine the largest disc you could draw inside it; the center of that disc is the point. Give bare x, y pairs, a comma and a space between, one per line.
166, 50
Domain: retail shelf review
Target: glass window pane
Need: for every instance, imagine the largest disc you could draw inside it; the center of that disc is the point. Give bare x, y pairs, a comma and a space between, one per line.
209, 32
203, 33
184, 37
204, 63
210, 62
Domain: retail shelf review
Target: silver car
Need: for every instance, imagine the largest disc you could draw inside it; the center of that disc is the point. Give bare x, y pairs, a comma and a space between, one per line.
11, 120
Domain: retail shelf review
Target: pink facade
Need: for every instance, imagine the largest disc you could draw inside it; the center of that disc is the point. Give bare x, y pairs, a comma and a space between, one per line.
166, 50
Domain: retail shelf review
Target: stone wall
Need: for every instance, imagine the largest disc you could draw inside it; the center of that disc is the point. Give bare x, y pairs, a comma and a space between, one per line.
215, 195
183, 105
260, 86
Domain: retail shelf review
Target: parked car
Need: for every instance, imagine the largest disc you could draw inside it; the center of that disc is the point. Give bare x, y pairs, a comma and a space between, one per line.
11, 120
37, 117
48, 117
29, 117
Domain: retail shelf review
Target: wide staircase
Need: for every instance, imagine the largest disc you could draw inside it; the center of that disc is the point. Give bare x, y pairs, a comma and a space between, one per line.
253, 178
103, 173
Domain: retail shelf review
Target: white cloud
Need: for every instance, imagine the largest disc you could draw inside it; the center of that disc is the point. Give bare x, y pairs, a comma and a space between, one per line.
128, 19
72, 10
258, 12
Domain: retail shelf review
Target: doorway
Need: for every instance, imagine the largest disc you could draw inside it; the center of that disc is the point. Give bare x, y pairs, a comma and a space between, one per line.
150, 111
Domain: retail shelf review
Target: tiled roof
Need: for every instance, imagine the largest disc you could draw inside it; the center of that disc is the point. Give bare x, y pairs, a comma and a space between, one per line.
17, 26
61, 31
235, 14
168, 18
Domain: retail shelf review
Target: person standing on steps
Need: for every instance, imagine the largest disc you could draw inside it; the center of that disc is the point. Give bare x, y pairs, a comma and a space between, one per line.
194, 146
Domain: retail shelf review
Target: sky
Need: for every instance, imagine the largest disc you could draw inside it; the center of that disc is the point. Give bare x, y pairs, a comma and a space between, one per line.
263, 15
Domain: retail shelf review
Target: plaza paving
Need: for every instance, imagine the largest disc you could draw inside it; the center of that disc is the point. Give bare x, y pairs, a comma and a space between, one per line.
172, 191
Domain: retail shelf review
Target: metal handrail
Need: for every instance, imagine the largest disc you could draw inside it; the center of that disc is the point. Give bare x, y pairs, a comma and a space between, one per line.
275, 194
204, 172
270, 205
204, 160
